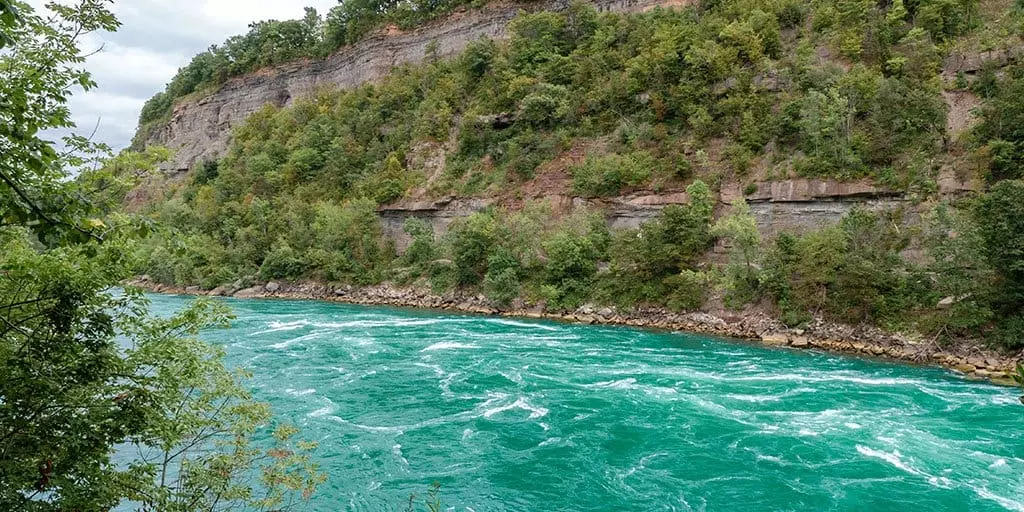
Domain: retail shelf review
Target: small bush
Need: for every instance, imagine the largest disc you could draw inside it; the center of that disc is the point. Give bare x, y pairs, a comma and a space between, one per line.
1009, 333
607, 175
471, 242
443, 275
282, 262
686, 290
421, 249
501, 283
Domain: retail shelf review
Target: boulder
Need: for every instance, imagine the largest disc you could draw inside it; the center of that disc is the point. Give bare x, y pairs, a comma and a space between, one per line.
272, 286
774, 339
988, 374
248, 293
965, 368
192, 290
799, 341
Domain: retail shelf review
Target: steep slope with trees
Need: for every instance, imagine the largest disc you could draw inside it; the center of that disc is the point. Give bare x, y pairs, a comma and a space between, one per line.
578, 112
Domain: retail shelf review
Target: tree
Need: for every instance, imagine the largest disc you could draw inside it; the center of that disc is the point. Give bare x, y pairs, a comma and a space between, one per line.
1000, 218
84, 371
962, 274
472, 241
739, 228
39, 69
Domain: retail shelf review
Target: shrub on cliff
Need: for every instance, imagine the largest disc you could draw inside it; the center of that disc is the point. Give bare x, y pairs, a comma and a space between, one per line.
471, 241
608, 175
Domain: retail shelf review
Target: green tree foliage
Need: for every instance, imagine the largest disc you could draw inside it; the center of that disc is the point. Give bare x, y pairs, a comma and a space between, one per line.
608, 175
1001, 127
421, 249
963, 278
472, 241
851, 271
739, 229
40, 64
502, 281
571, 266
84, 371
1001, 226
642, 259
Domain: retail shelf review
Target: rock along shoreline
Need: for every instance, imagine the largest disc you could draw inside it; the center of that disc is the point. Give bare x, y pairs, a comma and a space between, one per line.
968, 358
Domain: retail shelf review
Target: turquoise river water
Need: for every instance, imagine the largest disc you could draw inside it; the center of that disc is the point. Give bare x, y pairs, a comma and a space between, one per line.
529, 415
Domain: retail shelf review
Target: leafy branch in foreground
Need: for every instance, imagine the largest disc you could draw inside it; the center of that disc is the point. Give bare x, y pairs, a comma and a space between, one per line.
102, 404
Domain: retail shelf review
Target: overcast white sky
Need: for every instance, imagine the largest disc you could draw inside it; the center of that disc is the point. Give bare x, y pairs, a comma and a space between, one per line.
156, 38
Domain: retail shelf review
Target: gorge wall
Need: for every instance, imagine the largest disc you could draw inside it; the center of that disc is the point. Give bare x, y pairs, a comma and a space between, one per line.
201, 129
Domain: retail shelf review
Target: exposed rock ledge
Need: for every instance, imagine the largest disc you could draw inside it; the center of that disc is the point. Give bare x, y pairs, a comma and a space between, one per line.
200, 129
970, 359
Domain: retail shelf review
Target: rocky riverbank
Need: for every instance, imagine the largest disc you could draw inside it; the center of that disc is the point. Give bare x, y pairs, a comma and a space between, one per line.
969, 358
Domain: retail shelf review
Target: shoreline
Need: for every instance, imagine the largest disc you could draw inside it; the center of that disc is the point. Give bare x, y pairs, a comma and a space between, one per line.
969, 359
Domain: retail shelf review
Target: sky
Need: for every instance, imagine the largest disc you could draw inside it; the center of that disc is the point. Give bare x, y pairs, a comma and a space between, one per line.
155, 39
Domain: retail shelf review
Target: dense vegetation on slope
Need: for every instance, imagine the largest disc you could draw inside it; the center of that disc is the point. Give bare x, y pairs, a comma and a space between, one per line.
842, 89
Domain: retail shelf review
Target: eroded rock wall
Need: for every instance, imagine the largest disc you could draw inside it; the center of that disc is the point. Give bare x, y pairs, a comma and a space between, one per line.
201, 129
793, 205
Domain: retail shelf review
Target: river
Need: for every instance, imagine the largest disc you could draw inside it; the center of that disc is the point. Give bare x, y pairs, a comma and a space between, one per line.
531, 415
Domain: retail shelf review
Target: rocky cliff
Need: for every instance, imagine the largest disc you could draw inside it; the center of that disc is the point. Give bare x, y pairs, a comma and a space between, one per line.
201, 129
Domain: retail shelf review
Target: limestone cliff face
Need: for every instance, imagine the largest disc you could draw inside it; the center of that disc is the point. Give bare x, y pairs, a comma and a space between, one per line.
201, 129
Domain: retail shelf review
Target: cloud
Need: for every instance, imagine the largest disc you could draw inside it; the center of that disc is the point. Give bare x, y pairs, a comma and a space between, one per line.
156, 38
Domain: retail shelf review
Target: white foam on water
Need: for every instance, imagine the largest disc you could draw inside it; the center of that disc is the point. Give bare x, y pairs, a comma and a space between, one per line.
999, 463
446, 383
276, 326
769, 458
642, 463
754, 398
1006, 399
367, 323
808, 432
300, 392
289, 342
396, 450
852, 425
284, 344
1003, 501
323, 411
794, 377
894, 459
527, 325
520, 403
628, 383
438, 371
394, 430
449, 345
